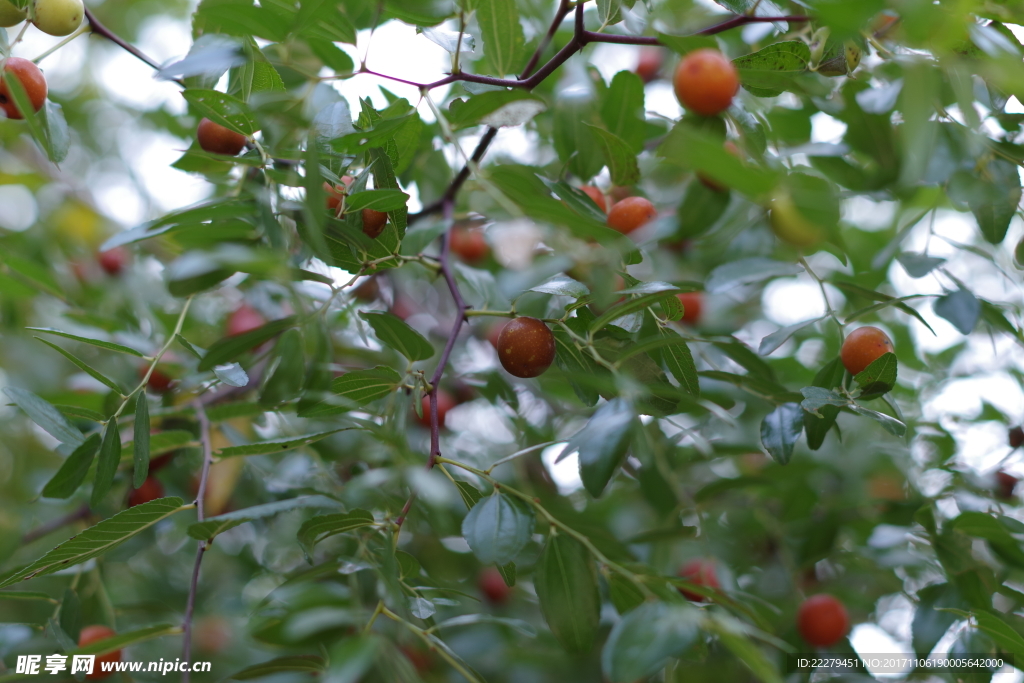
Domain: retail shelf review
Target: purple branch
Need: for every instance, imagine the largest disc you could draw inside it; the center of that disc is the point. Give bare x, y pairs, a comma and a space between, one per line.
97, 27
581, 37
204, 437
560, 15
460, 319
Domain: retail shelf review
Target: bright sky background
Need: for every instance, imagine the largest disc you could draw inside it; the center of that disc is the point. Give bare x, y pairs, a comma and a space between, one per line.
396, 49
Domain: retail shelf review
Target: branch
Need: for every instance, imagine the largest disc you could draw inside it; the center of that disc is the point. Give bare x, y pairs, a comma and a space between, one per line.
488, 137
435, 380
204, 436
99, 29
560, 15
581, 38
53, 525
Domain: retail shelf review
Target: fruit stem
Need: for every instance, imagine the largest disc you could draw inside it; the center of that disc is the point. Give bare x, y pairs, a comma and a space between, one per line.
84, 28
824, 295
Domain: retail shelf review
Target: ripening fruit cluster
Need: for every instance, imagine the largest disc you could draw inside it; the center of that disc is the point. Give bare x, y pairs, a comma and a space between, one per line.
373, 221
56, 17
821, 619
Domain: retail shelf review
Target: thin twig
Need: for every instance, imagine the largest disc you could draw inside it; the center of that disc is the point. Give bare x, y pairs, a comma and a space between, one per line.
529, 80
460, 319
580, 39
204, 437
53, 525
560, 15
99, 29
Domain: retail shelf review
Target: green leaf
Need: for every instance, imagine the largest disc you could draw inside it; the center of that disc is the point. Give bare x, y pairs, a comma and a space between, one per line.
74, 470
985, 526
229, 348
780, 430
644, 640
817, 397
163, 442
770, 71
378, 200
470, 494
632, 306
496, 108
384, 177
109, 346
885, 300
366, 386
700, 210
46, 416
877, 378
566, 583
624, 594
351, 658
26, 595
58, 138
497, 528
209, 528
123, 640
522, 185
395, 333
994, 199
223, 109
508, 573
747, 271
618, 156
1005, 635
816, 428
890, 424
577, 365
307, 664
35, 121
679, 362
276, 445
776, 339
686, 44
931, 620
622, 110
79, 411
106, 466
602, 444
961, 308
918, 265
562, 285
735, 635
692, 148
71, 614
575, 138
318, 528
98, 539
576, 199
82, 365
502, 34
32, 273
286, 369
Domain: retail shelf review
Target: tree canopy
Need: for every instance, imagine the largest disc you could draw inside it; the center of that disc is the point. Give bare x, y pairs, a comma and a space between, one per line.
277, 428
